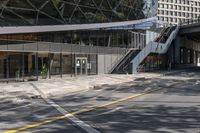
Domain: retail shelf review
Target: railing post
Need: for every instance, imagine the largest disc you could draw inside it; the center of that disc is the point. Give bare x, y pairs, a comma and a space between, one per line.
61, 61
23, 65
7, 67
36, 65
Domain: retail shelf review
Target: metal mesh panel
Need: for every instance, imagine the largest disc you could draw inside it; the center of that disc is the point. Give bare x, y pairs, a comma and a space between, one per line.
55, 47
93, 49
43, 46
30, 47
66, 48
85, 49
3, 47
49, 12
15, 47
76, 48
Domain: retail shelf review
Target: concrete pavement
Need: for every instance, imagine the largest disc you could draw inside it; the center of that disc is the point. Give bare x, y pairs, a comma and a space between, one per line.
174, 108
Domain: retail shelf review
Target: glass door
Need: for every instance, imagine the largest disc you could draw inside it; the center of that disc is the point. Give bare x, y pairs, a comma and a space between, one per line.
84, 66
81, 66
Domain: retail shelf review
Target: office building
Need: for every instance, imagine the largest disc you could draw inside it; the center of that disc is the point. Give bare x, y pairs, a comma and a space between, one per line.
171, 11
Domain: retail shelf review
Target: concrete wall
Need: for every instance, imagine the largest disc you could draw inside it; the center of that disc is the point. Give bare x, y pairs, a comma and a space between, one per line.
106, 62
101, 64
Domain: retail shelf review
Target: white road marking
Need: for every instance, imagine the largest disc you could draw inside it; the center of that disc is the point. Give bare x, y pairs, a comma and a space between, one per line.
74, 119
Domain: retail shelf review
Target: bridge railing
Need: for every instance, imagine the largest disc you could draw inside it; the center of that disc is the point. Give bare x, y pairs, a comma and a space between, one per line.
190, 21
53, 47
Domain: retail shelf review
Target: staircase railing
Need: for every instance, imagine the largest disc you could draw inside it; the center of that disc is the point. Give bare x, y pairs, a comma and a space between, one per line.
190, 21
111, 66
118, 60
153, 47
123, 60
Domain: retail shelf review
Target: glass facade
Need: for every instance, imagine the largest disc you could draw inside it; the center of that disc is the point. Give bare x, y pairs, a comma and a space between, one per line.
20, 66
104, 38
15, 65
152, 62
74, 52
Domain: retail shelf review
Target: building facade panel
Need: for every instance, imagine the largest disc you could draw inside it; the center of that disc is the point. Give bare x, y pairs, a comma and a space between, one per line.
172, 11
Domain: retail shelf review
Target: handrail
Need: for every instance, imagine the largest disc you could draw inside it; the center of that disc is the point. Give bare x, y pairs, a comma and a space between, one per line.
125, 56
154, 47
53, 47
160, 35
190, 21
70, 27
115, 63
118, 60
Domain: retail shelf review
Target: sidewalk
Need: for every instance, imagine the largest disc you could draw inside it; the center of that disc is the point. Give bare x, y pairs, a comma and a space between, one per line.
62, 86
58, 86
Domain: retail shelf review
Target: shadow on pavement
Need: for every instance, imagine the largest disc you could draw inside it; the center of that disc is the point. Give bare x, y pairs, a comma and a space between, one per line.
130, 116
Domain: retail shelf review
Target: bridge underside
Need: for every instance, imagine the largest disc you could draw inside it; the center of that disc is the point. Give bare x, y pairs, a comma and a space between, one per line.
187, 46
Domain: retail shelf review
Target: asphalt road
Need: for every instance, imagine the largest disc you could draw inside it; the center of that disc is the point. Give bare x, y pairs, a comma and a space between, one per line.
175, 108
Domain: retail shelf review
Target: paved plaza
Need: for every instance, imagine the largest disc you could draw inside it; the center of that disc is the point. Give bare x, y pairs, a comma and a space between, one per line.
143, 103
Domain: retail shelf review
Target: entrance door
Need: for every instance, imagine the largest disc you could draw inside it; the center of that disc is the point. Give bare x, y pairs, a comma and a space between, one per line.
81, 66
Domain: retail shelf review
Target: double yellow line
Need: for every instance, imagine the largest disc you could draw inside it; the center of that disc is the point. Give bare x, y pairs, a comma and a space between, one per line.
79, 112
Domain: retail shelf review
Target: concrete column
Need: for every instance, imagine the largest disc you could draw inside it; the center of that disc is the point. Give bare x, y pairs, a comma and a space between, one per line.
50, 58
7, 66
29, 62
135, 40
23, 67
36, 65
185, 55
61, 62
132, 40
177, 49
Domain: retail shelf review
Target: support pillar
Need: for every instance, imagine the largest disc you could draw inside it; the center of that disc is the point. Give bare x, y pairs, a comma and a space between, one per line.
36, 65
23, 66
7, 67
75, 70
61, 62
50, 62
72, 58
177, 49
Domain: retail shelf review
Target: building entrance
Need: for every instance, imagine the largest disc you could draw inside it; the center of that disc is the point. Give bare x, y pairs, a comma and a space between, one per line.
81, 66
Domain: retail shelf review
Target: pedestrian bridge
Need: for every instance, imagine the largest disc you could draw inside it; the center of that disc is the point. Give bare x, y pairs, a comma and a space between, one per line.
190, 26
54, 28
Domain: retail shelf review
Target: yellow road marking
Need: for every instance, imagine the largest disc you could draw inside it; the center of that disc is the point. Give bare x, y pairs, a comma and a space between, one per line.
78, 112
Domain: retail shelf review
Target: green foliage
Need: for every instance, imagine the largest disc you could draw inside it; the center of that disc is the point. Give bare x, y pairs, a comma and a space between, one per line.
44, 71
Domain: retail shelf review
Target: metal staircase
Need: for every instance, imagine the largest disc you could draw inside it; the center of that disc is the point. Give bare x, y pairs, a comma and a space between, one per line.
118, 67
160, 46
124, 65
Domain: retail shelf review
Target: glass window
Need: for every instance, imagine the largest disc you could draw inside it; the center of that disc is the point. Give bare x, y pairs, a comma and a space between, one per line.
182, 55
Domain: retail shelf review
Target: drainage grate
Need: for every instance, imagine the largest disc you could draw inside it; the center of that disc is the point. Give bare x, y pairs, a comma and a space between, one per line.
36, 97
